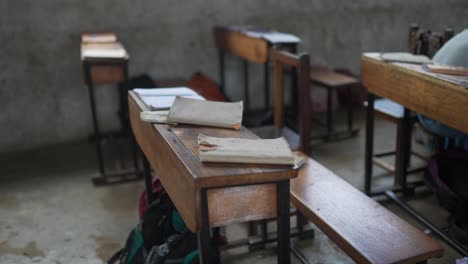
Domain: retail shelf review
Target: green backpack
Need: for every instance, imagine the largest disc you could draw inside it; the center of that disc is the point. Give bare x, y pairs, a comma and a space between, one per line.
161, 237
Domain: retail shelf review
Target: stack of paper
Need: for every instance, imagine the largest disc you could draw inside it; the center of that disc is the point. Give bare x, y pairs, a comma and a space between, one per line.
103, 50
163, 98
206, 113
404, 57
238, 150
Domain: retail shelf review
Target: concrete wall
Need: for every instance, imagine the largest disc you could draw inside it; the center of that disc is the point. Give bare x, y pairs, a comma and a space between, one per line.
42, 96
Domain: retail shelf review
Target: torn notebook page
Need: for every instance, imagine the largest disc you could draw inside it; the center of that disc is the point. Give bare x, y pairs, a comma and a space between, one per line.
240, 150
206, 113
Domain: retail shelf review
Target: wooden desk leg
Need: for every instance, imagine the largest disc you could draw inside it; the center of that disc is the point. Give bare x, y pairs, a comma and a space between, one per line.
294, 80
283, 221
369, 143
246, 85
221, 70
97, 135
350, 109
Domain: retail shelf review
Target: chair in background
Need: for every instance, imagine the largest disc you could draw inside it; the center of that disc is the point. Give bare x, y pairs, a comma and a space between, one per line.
281, 60
332, 81
420, 43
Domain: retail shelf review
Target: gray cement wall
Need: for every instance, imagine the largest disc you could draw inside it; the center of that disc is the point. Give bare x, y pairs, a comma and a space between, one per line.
44, 102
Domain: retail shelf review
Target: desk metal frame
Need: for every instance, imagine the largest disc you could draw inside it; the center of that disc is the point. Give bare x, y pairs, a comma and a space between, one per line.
104, 177
398, 83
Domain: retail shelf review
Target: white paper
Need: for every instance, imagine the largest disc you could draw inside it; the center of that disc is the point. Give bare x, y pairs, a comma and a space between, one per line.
165, 102
206, 113
173, 91
404, 57
239, 150
278, 37
389, 107
103, 50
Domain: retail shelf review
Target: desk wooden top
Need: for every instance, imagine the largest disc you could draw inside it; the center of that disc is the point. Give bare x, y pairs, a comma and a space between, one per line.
239, 44
419, 91
182, 140
247, 42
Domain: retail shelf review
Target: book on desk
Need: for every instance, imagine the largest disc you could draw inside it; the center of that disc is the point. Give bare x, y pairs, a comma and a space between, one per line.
163, 98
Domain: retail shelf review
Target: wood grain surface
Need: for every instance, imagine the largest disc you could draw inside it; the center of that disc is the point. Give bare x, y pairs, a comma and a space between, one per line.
362, 228
101, 74
419, 91
239, 44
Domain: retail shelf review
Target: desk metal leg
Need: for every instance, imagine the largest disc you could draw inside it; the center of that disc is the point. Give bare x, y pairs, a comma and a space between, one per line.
283, 221
459, 248
403, 149
329, 112
369, 143
204, 238
148, 179
97, 134
350, 109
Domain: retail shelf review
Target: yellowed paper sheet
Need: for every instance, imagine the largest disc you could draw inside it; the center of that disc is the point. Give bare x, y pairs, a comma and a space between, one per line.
206, 113
239, 150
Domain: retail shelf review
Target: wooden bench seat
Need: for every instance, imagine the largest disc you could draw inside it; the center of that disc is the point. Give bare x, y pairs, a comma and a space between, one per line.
362, 228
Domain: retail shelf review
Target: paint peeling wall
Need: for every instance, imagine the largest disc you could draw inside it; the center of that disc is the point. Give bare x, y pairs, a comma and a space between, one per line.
42, 95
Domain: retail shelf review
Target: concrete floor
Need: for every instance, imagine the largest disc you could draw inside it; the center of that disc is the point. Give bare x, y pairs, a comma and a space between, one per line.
51, 213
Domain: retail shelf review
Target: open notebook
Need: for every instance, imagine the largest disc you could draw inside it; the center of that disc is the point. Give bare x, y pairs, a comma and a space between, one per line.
240, 150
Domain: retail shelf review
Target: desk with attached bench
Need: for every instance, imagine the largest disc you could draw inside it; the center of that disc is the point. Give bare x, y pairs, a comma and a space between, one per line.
213, 194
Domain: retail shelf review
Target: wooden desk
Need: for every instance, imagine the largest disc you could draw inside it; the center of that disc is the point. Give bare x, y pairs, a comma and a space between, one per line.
416, 90
97, 71
249, 47
213, 194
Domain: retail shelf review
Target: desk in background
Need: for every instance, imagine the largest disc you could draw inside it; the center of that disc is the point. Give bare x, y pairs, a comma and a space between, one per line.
104, 61
418, 91
213, 194
252, 45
